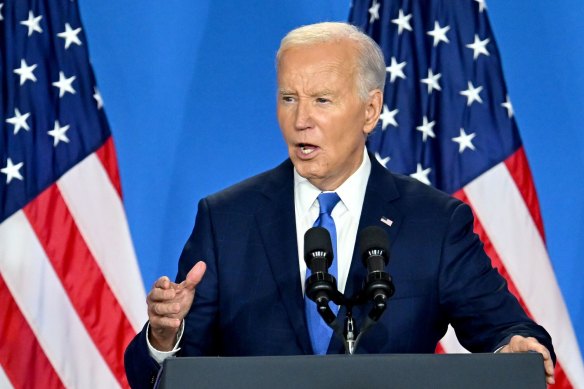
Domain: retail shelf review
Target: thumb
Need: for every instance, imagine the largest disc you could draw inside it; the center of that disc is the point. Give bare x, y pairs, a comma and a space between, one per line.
194, 276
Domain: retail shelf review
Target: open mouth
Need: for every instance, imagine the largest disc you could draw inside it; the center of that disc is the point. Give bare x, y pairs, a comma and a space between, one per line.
306, 148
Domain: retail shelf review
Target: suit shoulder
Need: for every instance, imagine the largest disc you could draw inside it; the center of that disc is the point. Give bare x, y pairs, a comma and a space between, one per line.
424, 198
253, 189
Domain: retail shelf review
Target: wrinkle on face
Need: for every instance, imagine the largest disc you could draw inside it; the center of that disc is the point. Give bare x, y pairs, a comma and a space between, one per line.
319, 106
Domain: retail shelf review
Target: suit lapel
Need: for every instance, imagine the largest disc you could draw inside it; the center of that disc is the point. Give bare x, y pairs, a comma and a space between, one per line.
381, 192
277, 225
378, 204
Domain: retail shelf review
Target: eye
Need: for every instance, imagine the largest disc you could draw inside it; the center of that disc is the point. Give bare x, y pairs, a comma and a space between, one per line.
288, 99
322, 100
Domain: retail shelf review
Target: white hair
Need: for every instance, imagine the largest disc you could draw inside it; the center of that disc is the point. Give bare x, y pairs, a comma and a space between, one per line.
370, 62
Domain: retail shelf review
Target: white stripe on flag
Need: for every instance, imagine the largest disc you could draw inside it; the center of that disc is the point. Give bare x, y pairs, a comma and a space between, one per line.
4, 381
501, 210
44, 303
105, 231
450, 343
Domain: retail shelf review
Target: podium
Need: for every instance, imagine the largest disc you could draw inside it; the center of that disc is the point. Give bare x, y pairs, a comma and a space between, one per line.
399, 371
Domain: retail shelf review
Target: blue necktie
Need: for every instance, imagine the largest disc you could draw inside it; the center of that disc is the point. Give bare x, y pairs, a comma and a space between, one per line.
320, 332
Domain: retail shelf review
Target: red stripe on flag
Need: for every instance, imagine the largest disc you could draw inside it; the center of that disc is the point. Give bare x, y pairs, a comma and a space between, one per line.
81, 277
107, 155
519, 169
560, 376
439, 349
490, 250
21, 355
562, 380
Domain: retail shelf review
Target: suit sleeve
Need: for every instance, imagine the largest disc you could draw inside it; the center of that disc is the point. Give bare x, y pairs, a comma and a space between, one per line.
199, 334
200, 337
141, 368
482, 311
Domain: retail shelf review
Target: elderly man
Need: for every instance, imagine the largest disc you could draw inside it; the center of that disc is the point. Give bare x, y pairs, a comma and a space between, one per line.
239, 288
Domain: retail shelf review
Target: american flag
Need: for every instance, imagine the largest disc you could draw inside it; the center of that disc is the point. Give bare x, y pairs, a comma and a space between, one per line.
448, 121
71, 295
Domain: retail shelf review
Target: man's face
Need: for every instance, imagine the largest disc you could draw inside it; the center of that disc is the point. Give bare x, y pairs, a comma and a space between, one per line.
322, 118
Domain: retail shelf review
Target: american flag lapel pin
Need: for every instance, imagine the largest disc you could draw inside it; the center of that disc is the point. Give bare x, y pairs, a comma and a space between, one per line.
387, 221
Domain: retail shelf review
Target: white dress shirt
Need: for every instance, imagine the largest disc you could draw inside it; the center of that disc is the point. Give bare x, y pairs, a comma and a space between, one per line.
346, 215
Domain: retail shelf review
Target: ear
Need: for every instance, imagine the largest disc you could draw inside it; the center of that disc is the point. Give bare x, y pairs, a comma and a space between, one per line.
373, 110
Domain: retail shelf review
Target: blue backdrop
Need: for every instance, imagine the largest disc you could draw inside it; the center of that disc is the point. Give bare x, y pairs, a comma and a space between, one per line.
189, 89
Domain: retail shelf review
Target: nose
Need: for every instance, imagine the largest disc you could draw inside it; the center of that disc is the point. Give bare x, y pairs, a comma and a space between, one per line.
303, 118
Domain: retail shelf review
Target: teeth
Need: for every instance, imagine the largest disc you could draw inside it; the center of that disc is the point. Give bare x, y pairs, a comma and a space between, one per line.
306, 150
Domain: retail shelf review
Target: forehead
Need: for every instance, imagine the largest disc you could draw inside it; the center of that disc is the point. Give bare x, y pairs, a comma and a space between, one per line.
331, 60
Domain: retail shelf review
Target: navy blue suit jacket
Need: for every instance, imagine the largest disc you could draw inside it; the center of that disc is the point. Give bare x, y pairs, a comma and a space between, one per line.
250, 300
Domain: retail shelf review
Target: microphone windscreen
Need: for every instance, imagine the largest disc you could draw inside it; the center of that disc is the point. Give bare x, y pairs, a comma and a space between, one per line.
318, 239
373, 238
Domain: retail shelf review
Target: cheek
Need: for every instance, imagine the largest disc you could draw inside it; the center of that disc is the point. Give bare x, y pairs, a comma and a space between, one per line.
284, 124
346, 145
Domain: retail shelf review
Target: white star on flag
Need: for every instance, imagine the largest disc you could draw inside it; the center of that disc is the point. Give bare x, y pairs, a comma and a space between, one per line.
12, 171
422, 174
479, 47
374, 12
482, 5
439, 34
64, 84
427, 129
97, 97
382, 160
70, 36
508, 106
432, 81
472, 94
19, 121
388, 117
403, 22
396, 69
59, 133
25, 72
33, 23
464, 141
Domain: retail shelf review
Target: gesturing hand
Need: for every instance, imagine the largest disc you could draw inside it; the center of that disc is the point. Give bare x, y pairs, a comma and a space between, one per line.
168, 304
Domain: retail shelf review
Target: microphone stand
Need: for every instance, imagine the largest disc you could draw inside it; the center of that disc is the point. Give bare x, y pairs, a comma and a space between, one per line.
321, 287
350, 333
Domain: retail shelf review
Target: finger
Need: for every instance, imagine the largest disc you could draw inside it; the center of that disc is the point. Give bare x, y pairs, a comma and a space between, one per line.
532, 344
164, 309
161, 324
194, 276
161, 295
163, 283
548, 365
521, 344
549, 371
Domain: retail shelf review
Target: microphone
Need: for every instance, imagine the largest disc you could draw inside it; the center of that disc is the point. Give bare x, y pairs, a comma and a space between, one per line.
320, 286
374, 245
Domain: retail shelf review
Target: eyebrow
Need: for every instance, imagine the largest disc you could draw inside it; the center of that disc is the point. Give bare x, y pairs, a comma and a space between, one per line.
323, 92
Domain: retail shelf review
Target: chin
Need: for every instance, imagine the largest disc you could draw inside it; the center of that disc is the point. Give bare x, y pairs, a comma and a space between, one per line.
305, 169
